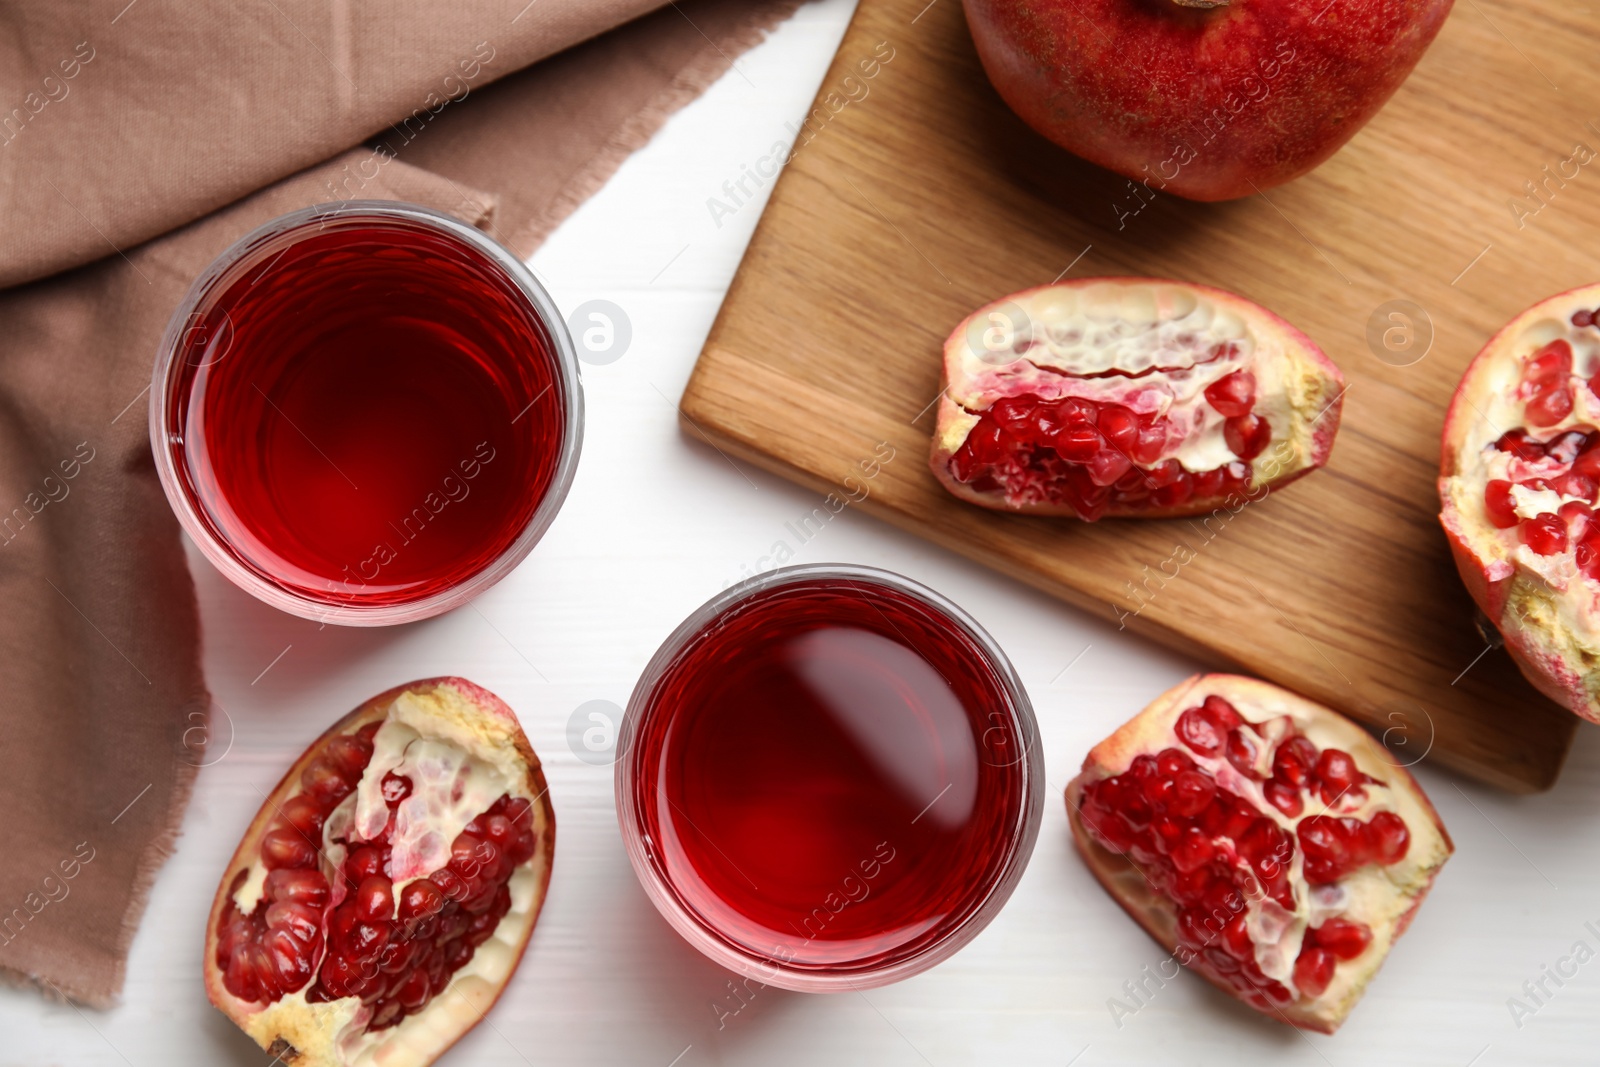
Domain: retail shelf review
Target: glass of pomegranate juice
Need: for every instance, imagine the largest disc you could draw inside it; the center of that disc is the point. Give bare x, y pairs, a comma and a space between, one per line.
366, 413
829, 778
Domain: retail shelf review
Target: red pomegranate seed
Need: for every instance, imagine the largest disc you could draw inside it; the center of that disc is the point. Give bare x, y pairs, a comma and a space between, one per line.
986, 442
301, 920
1575, 483
350, 754
1191, 792
1014, 414
1075, 410
1578, 518
1234, 395
1498, 503
1175, 492
1152, 441
1119, 426
1343, 937
1247, 436
1545, 534
325, 783
963, 466
1078, 443
500, 829
1522, 445
374, 898
1164, 473
1566, 447
1107, 465
1325, 849
364, 862
1236, 939
291, 965
1222, 713
1208, 484
413, 992
420, 899
1285, 797
1242, 753
1552, 362
1294, 759
1338, 769
1586, 553
1197, 730
1221, 961
1313, 971
1194, 849
1550, 405
1388, 837
395, 788
1171, 762
304, 814
1582, 318
286, 847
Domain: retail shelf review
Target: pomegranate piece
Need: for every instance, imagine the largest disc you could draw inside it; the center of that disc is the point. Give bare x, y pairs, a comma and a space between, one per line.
1266, 841
416, 830
1115, 397
1519, 478
1205, 99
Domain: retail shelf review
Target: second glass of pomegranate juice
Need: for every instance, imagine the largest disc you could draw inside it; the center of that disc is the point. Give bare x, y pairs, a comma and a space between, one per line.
829, 778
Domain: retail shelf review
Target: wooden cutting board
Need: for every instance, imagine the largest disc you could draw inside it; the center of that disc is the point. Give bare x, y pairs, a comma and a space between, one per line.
914, 196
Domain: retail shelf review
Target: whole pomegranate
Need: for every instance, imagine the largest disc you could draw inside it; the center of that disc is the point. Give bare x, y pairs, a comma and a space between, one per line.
384, 893
1263, 839
1519, 477
1208, 99
1129, 396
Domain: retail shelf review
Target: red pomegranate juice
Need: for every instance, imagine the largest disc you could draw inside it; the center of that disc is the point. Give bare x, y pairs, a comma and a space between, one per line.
370, 415
829, 776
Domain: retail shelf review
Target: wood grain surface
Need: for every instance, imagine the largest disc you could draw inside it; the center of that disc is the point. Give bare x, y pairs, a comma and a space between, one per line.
914, 195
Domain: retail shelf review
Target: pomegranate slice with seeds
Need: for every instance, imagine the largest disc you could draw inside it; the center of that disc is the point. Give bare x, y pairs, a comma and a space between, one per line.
1266, 841
1519, 478
1129, 396
385, 892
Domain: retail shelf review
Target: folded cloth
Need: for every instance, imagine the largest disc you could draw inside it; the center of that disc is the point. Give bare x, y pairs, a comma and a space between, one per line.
118, 122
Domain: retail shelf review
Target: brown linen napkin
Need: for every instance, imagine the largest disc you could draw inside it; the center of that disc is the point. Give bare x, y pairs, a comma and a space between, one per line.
106, 721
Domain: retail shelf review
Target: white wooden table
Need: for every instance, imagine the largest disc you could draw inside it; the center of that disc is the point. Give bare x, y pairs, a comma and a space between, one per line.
655, 524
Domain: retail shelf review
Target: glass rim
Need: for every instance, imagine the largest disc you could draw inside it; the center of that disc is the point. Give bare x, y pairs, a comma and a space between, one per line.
985, 905
189, 510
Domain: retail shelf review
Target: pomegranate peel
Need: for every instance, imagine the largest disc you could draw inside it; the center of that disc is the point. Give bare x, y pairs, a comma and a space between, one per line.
1519, 472
1289, 905
431, 838
1116, 397
1205, 99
